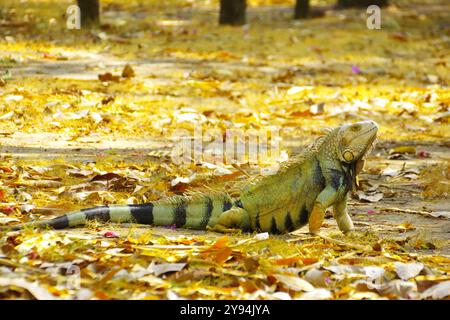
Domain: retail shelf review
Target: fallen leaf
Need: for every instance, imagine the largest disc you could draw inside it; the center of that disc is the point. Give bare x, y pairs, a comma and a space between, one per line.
432, 78
318, 278
316, 294
222, 242
390, 172
106, 176
438, 214
286, 261
79, 172
97, 117
40, 183
8, 220
396, 288
296, 89
317, 108
374, 197
154, 281
403, 149
37, 291
407, 271
7, 209
221, 255
281, 295
344, 269
128, 71
6, 116
173, 296
162, 268
26, 208
261, 236
185, 180
108, 76
439, 291
399, 36
374, 273
294, 283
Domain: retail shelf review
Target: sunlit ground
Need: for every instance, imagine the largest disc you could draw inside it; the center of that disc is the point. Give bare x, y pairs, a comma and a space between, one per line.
70, 140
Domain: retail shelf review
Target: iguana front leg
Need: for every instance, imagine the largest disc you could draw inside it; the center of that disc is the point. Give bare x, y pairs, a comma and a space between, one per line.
231, 221
344, 221
325, 199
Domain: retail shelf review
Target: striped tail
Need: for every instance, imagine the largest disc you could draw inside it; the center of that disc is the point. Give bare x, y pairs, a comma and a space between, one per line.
192, 212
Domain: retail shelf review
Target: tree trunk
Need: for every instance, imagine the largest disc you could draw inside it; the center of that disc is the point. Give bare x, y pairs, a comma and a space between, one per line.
232, 12
90, 12
301, 9
361, 3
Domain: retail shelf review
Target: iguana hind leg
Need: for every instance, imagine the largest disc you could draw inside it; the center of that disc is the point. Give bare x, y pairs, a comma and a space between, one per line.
232, 221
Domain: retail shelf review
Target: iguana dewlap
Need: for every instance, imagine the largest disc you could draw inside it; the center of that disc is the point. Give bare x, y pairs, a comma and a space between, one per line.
298, 194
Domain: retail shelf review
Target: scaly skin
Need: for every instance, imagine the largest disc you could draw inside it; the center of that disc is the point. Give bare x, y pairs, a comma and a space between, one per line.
298, 194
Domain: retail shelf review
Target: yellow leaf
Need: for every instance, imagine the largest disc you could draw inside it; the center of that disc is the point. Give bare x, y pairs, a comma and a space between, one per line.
403, 149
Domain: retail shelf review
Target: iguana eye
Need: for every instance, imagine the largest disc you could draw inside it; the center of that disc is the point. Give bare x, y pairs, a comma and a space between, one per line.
355, 128
348, 156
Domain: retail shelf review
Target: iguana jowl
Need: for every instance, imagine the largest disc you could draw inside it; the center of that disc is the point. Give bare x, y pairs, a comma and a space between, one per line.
298, 194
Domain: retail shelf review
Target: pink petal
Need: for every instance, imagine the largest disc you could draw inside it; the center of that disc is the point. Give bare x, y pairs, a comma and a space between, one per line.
111, 234
356, 69
424, 154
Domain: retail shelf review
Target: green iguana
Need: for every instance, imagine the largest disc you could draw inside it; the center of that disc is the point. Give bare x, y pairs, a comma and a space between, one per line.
298, 194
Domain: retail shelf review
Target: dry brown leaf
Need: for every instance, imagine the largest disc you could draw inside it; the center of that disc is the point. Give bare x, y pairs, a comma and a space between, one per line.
108, 76
294, 283
128, 71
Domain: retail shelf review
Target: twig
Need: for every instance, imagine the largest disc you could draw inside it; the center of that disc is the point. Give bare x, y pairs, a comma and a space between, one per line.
399, 188
360, 223
424, 213
241, 170
301, 238
177, 247
357, 204
347, 255
344, 244
334, 241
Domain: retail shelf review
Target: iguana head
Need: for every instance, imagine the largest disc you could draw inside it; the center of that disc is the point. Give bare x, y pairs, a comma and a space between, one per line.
354, 140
